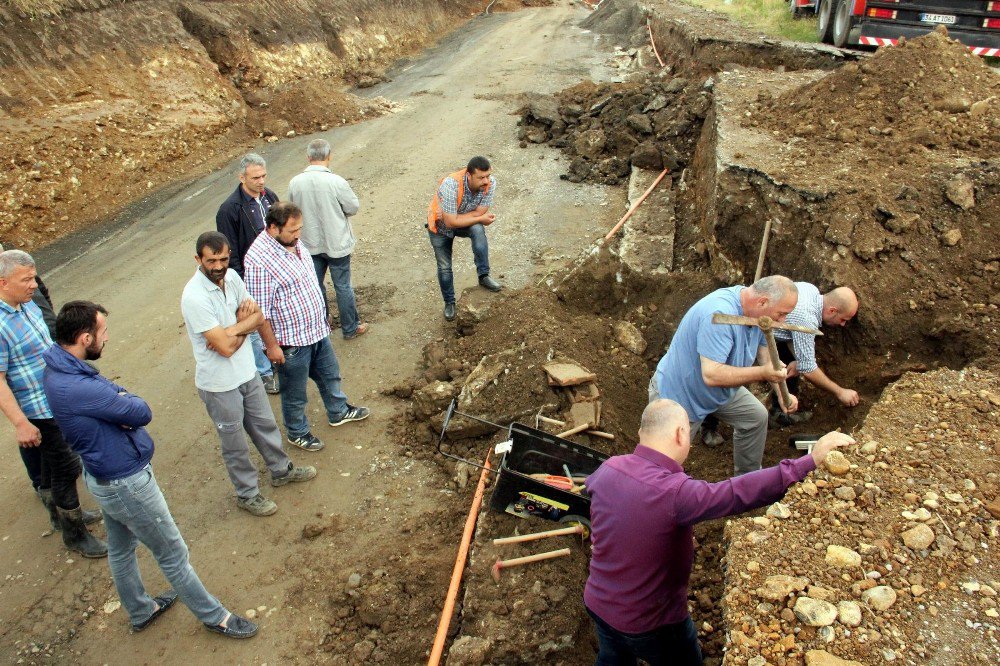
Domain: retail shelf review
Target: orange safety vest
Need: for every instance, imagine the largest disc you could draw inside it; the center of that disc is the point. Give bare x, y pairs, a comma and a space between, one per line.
434, 209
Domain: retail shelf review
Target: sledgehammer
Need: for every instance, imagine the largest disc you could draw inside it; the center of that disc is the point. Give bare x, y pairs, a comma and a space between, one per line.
575, 529
766, 324
518, 561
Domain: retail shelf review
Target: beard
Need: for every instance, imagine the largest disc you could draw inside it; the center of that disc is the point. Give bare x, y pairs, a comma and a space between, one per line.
290, 243
93, 352
215, 275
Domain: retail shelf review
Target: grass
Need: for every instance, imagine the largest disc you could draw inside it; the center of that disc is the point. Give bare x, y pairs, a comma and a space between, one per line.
36, 7
768, 16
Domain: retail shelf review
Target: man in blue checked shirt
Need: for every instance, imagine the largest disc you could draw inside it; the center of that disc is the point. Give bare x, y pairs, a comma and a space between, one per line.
461, 207
24, 337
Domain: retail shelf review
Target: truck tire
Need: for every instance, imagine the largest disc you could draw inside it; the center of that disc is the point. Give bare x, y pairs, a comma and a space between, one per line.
841, 23
824, 23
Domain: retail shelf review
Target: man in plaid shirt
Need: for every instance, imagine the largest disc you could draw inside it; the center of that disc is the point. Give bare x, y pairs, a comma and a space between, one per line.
798, 350
281, 278
24, 337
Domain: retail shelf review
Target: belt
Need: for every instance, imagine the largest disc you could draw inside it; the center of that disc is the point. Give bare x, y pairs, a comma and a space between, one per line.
102, 482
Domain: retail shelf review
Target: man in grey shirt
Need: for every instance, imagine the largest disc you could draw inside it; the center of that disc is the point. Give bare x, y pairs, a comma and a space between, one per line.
219, 315
327, 200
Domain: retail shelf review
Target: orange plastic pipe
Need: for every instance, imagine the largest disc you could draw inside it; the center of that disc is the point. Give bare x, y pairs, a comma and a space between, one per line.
653, 44
635, 206
456, 575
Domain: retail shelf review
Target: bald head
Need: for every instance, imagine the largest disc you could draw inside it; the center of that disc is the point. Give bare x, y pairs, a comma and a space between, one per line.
665, 428
839, 306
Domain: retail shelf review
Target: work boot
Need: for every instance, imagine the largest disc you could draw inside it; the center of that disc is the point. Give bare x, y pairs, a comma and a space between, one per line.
77, 537
486, 282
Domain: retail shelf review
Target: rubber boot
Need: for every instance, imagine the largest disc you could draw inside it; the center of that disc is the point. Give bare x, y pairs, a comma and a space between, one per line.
77, 537
45, 494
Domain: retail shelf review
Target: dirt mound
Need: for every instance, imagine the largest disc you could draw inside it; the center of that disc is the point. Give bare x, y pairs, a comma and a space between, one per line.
891, 558
651, 123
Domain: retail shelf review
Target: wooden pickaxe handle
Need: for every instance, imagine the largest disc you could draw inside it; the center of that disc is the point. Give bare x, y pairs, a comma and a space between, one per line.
517, 561
772, 351
575, 529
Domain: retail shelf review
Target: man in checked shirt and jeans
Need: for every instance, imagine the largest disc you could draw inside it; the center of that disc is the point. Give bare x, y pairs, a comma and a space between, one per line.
461, 207
642, 511
281, 278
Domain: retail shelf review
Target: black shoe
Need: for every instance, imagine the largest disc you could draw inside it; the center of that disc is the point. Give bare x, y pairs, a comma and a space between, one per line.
486, 282
77, 537
352, 414
239, 627
164, 601
449, 311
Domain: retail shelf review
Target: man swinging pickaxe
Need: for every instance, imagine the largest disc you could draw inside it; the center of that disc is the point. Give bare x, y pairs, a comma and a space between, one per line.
766, 325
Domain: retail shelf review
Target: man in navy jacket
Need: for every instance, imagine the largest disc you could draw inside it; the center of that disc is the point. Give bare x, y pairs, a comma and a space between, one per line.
105, 424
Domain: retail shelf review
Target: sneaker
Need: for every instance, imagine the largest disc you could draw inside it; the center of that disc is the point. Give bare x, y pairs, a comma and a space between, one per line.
258, 505
294, 475
360, 330
449, 311
352, 414
308, 441
711, 439
271, 384
486, 282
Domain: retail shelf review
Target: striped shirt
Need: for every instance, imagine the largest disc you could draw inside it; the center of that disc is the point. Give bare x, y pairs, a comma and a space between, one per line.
448, 199
23, 338
808, 312
285, 287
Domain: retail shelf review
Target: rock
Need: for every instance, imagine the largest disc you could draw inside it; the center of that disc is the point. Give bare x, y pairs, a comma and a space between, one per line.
433, 398
824, 658
630, 337
362, 651
880, 598
845, 493
778, 587
779, 511
918, 538
838, 556
849, 613
953, 104
312, 530
837, 463
544, 108
951, 237
640, 123
590, 143
469, 651
488, 370
961, 192
994, 508
647, 156
467, 316
353, 581
814, 612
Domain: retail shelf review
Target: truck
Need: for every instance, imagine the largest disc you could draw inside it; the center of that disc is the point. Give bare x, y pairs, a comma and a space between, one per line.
975, 23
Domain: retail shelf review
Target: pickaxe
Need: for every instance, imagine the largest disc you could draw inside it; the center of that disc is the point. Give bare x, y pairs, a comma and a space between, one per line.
517, 561
766, 324
575, 529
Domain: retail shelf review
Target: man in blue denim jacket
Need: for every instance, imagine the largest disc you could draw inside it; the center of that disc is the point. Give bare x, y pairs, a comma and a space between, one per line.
105, 424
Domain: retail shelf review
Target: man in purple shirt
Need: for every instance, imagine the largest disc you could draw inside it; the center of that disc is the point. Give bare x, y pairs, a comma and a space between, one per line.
643, 508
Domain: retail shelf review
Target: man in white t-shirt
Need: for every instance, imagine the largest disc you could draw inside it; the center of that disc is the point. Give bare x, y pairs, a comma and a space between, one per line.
219, 315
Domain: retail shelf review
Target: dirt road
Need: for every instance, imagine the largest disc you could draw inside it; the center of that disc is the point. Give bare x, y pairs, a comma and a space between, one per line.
455, 101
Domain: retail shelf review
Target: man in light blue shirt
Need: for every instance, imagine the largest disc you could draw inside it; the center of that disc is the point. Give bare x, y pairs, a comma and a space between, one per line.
707, 365
219, 315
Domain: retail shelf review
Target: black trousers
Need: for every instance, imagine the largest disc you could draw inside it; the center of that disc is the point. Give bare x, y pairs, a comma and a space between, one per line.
32, 459
60, 467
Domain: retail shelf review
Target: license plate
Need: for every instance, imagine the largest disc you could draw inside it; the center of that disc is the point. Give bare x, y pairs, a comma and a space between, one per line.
947, 19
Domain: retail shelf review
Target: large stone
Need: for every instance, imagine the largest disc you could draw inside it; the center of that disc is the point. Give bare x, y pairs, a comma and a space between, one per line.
814, 612
824, 658
778, 587
961, 192
838, 556
849, 613
433, 398
630, 337
779, 511
544, 109
647, 156
837, 463
590, 143
918, 538
880, 598
469, 651
640, 123
485, 373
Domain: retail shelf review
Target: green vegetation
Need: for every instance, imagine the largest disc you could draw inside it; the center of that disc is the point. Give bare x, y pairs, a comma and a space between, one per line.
769, 16
36, 7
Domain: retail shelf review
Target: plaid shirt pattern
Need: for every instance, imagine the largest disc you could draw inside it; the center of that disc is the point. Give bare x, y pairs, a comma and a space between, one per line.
23, 338
808, 312
448, 200
285, 287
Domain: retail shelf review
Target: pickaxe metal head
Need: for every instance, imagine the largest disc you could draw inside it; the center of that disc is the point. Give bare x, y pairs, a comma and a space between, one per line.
763, 323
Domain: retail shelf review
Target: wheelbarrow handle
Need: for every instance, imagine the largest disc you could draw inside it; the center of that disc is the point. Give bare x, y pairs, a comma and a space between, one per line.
444, 429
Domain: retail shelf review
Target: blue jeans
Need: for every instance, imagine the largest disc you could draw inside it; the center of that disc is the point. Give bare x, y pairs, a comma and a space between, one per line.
442, 252
260, 358
340, 274
317, 362
135, 512
671, 644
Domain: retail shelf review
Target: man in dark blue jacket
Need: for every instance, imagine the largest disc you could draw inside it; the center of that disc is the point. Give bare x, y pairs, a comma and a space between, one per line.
105, 424
241, 219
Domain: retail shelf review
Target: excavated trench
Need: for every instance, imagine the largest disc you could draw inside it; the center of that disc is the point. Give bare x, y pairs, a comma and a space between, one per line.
926, 302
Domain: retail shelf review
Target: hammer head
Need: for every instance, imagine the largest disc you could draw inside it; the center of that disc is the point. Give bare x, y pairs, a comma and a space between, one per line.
496, 570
